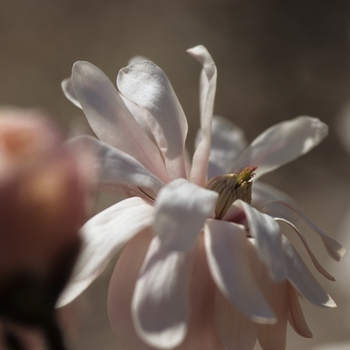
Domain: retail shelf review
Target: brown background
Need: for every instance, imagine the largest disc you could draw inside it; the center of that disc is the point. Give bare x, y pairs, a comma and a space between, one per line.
276, 59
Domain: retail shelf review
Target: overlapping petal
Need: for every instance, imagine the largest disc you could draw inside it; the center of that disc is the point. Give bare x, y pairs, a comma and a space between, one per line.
103, 236
282, 143
145, 84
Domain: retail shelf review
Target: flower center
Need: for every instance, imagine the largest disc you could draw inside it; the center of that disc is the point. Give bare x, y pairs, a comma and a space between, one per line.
230, 188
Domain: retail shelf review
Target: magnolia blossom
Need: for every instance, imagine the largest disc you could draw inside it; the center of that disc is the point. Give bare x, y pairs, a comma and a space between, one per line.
205, 264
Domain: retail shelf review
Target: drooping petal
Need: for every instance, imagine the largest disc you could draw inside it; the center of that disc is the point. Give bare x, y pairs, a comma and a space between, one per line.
236, 331
68, 90
206, 102
160, 304
226, 247
302, 279
111, 120
118, 168
102, 236
145, 84
267, 233
282, 143
227, 142
295, 315
293, 214
180, 212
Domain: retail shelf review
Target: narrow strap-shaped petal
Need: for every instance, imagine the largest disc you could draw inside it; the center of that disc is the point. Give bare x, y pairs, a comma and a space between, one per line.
302, 279
295, 315
235, 330
282, 143
116, 167
180, 212
291, 212
267, 233
226, 247
102, 236
145, 84
206, 102
227, 142
160, 304
69, 92
111, 120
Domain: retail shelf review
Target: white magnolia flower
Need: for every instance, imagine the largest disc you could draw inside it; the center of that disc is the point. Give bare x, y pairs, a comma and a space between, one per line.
202, 267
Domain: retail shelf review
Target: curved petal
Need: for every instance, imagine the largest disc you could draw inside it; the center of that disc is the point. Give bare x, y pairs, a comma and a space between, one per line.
116, 167
68, 90
111, 120
145, 84
102, 236
180, 212
282, 143
293, 214
302, 279
267, 233
206, 103
160, 304
236, 331
226, 247
227, 142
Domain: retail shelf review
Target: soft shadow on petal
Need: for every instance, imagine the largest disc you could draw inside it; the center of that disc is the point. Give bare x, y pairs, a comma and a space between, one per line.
102, 236
68, 90
121, 289
160, 304
227, 250
145, 84
181, 209
111, 120
227, 142
302, 279
236, 331
282, 143
206, 103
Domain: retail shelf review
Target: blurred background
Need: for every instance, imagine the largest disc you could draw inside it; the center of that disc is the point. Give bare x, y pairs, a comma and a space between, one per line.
276, 59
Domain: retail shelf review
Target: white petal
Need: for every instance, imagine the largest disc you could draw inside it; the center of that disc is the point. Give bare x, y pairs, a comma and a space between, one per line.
282, 143
302, 279
68, 91
267, 233
227, 142
226, 247
235, 330
293, 214
180, 212
103, 236
117, 168
160, 304
206, 102
110, 118
145, 84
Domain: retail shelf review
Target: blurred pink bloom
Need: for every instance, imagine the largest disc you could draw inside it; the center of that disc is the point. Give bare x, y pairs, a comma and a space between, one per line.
189, 278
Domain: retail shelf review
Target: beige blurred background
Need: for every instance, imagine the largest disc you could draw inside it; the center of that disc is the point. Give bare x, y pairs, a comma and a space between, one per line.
276, 59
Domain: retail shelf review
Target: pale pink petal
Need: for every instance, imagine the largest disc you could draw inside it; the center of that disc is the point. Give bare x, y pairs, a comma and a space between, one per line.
69, 92
236, 331
267, 233
160, 304
111, 120
295, 316
302, 279
145, 84
181, 209
102, 237
206, 103
293, 214
282, 143
227, 142
121, 290
118, 168
226, 247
